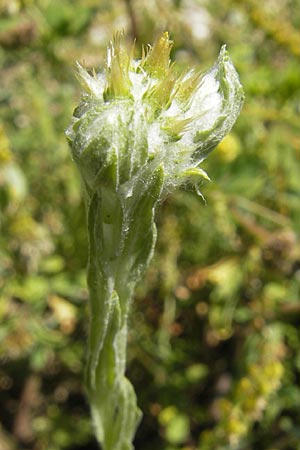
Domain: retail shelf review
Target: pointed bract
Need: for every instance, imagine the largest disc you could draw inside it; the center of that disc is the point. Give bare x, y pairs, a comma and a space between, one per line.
157, 60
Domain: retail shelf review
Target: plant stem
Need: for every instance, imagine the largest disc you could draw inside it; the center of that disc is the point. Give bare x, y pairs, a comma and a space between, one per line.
118, 257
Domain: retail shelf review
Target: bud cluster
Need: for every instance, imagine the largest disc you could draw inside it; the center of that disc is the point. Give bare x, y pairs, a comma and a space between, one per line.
138, 115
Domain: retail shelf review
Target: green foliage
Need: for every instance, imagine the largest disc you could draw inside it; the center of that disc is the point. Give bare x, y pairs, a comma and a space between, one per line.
214, 337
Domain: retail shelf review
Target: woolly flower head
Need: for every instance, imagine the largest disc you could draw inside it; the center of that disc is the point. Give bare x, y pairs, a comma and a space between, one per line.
139, 116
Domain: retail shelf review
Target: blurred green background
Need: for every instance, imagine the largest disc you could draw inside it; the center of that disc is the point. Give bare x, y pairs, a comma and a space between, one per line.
214, 334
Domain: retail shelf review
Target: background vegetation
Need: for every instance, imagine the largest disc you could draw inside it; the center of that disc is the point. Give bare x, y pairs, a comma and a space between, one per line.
214, 343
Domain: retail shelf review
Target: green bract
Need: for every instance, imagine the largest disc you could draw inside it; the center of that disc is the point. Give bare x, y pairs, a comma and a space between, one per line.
139, 131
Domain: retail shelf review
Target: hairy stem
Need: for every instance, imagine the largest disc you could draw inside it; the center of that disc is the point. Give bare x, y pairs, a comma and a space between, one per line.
117, 259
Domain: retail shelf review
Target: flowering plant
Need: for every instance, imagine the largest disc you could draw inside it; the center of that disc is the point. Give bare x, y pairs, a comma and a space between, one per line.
139, 131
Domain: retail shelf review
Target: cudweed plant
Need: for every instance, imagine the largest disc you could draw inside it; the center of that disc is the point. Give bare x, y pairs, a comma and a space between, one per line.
139, 132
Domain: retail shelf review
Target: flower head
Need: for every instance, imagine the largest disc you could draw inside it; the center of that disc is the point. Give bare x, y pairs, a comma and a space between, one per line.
138, 115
